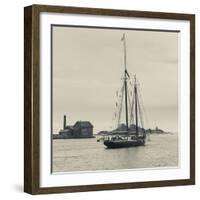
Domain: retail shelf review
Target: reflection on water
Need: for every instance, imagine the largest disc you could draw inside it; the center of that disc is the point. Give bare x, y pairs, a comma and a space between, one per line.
88, 154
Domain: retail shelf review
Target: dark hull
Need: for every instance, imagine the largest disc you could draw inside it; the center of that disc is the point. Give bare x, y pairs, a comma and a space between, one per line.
124, 143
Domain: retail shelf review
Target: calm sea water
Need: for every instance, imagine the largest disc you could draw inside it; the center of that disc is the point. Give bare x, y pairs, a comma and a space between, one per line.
88, 154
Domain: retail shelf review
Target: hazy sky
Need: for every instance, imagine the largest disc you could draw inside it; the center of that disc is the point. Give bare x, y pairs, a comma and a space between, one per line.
87, 71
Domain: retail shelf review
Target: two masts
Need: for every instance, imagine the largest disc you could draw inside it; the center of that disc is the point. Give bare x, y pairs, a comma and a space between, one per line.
133, 135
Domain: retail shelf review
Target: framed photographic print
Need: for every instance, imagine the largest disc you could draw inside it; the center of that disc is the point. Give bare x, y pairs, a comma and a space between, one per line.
109, 99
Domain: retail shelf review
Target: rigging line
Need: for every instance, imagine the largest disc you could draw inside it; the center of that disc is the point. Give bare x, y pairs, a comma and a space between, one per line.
145, 114
140, 114
115, 114
143, 108
132, 106
136, 106
120, 107
139, 106
129, 102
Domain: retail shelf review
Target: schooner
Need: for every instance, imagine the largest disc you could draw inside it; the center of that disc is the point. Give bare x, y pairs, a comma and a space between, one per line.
131, 134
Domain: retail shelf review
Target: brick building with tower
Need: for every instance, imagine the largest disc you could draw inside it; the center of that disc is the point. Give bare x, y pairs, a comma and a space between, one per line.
81, 129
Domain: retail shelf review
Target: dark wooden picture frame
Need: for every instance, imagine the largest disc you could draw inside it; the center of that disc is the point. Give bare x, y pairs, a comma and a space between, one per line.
32, 93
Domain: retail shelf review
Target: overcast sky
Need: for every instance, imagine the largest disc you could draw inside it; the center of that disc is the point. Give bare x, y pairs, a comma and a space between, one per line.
87, 71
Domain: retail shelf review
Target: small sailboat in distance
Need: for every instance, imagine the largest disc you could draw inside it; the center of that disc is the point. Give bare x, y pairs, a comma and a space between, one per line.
133, 135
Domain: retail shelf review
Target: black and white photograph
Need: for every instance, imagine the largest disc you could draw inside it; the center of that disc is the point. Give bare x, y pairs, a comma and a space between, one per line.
114, 99
109, 99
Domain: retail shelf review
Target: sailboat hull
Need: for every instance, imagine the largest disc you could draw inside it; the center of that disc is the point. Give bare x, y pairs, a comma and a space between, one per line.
124, 144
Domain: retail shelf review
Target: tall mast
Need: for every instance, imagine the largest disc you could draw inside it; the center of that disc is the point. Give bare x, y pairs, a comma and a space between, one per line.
136, 107
125, 80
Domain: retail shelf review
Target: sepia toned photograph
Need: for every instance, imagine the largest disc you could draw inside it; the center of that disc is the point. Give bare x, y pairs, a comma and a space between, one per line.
109, 99
114, 99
